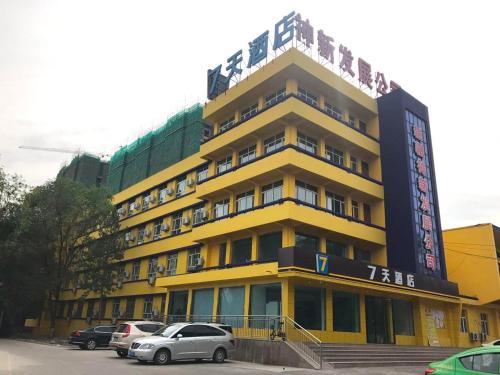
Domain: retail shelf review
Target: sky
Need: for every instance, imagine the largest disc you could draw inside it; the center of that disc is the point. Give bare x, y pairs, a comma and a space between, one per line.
94, 75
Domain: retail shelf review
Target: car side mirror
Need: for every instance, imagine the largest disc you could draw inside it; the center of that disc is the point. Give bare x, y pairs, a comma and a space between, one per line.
179, 335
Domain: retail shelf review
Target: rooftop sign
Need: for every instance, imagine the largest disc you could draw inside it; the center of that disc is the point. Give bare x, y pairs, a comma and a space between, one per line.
293, 28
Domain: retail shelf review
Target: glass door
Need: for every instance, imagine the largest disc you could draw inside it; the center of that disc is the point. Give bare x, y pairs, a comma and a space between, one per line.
378, 320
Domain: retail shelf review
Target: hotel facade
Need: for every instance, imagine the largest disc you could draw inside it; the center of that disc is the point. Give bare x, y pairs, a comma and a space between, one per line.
305, 198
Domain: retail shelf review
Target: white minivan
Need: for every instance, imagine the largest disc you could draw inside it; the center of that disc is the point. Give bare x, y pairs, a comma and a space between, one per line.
180, 341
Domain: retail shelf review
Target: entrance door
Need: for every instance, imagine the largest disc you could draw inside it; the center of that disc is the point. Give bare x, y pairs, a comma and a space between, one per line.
378, 328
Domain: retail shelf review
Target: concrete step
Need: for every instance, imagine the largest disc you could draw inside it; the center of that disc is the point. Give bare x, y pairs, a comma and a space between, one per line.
352, 364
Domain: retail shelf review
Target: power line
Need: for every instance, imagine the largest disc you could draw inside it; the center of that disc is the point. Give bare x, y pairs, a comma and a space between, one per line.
467, 243
474, 255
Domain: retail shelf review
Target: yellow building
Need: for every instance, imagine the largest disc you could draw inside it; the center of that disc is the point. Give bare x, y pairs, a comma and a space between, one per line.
285, 211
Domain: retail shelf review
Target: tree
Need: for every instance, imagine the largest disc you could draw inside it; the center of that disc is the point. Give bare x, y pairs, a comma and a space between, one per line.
74, 232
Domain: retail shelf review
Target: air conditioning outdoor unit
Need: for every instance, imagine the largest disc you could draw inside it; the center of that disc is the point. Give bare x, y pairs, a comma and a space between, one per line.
204, 215
151, 280
165, 227
147, 199
186, 220
163, 195
474, 336
133, 206
160, 268
121, 211
129, 237
170, 191
147, 233
199, 262
189, 182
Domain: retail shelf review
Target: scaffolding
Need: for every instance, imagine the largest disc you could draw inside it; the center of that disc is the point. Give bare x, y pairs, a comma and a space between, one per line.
87, 169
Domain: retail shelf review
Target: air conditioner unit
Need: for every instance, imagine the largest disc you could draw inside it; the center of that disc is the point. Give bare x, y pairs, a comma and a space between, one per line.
129, 236
121, 211
204, 215
126, 274
474, 336
132, 206
189, 182
151, 280
165, 227
113, 321
163, 195
147, 233
147, 199
160, 268
199, 262
186, 220
169, 191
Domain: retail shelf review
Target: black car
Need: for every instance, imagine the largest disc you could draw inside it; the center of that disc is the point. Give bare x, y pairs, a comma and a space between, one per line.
91, 338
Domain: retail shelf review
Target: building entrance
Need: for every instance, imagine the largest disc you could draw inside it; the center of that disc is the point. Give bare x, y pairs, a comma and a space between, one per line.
378, 320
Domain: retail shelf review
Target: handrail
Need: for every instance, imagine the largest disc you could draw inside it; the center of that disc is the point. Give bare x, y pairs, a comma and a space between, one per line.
308, 345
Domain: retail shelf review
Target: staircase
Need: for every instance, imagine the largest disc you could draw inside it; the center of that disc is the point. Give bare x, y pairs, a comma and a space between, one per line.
373, 355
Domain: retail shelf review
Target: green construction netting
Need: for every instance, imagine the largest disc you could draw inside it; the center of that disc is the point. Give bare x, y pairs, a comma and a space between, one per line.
87, 169
177, 139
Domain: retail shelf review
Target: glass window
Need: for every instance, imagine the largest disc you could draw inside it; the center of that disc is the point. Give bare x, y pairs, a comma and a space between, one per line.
268, 246
487, 363
177, 306
367, 212
335, 155
334, 111
365, 169
157, 229
354, 164
275, 97
131, 207
310, 307
307, 143
171, 268
464, 323
307, 242
176, 223
222, 254
198, 214
244, 201
79, 309
221, 208
274, 143
141, 235
202, 173
146, 200
129, 308
203, 301
194, 256
272, 192
307, 96
402, 312
247, 154
115, 312
242, 251
90, 308
180, 186
362, 255
345, 312
484, 324
153, 265
226, 124
352, 121
336, 248
362, 126
224, 164
335, 203
162, 196
102, 309
249, 112
306, 193
355, 209
265, 299
136, 270
231, 302
147, 312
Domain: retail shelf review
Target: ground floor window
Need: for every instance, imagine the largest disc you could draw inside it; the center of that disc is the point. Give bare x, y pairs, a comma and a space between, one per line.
115, 312
265, 302
177, 306
202, 304
147, 312
464, 323
402, 312
130, 307
310, 307
484, 324
232, 302
345, 312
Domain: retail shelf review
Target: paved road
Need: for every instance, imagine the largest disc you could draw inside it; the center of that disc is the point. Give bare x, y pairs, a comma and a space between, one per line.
19, 358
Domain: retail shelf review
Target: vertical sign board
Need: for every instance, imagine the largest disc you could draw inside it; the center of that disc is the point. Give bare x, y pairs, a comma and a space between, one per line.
322, 263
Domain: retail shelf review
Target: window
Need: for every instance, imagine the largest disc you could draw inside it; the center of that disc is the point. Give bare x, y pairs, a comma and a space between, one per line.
272, 192
365, 169
335, 203
336, 248
231, 303
402, 312
307, 143
464, 323
226, 124
308, 97
345, 312
275, 97
198, 214
79, 309
249, 112
487, 363
194, 256
247, 154
222, 254
202, 173
244, 201
147, 312
334, 155
141, 235
352, 121
131, 207
355, 209
176, 223
157, 229
146, 200
102, 309
201, 306
130, 307
367, 213
334, 111
90, 309
274, 143
177, 306
269, 245
484, 324
306, 193
171, 264
362, 255
224, 164
180, 186
153, 265
221, 208
310, 307
354, 164
265, 300
242, 251
136, 270
362, 126
307, 242
162, 197
115, 313
70, 309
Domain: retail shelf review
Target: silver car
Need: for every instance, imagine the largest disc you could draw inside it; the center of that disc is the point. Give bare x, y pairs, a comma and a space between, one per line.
185, 341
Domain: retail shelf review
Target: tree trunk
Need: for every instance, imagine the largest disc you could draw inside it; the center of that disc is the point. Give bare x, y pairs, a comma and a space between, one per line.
52, 316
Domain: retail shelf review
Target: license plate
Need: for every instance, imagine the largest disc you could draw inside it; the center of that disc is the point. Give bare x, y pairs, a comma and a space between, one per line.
131, 353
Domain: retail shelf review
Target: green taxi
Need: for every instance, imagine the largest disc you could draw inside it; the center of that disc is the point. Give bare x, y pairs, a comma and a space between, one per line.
482, 360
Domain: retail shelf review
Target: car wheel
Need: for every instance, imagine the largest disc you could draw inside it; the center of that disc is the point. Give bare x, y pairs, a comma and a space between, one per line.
162, 357
81, 346
91, 344
219, 355
122, 353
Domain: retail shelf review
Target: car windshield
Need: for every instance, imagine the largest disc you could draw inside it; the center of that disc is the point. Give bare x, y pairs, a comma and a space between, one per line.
167, 331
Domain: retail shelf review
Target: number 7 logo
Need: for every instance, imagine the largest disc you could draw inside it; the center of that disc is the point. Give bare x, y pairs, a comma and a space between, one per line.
322, 264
